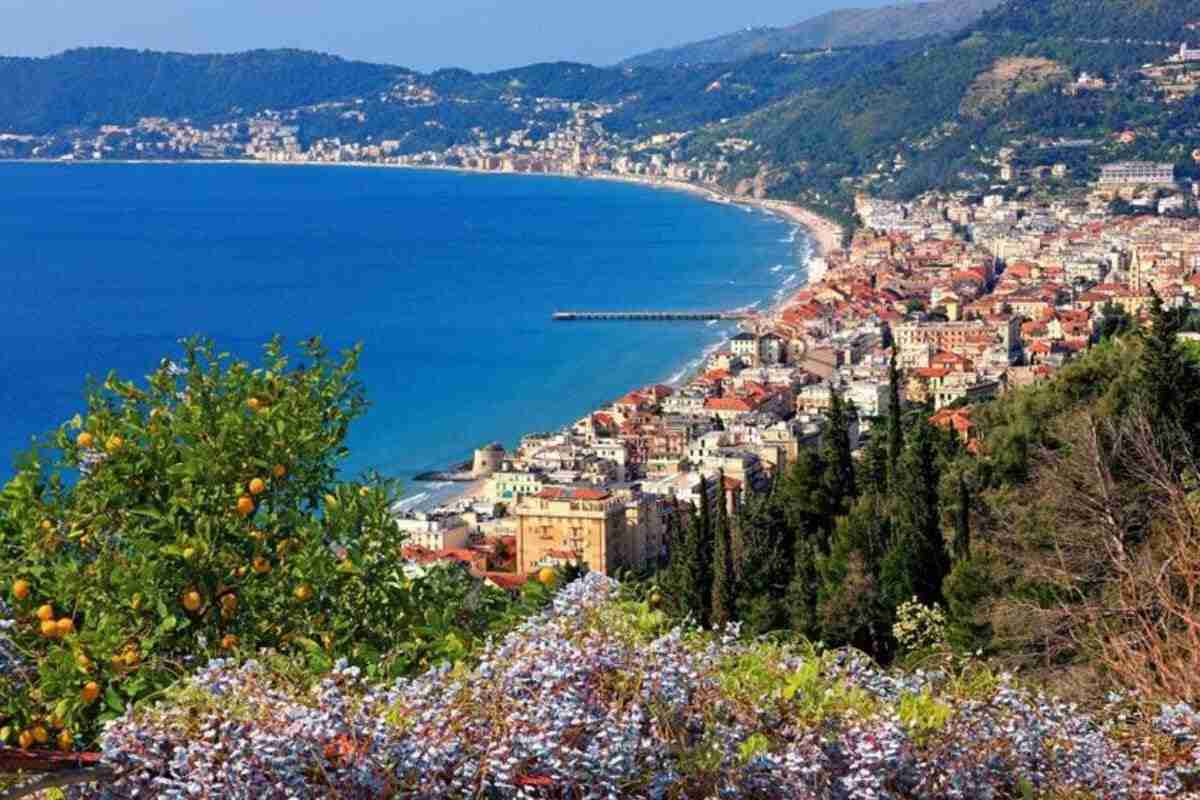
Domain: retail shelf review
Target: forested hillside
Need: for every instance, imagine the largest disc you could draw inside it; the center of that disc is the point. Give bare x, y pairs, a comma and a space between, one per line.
922, 107
848, 27
1063, 545
85, 89
112, 86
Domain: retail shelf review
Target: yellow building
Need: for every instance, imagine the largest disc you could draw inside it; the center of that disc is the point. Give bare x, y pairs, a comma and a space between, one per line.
561, 525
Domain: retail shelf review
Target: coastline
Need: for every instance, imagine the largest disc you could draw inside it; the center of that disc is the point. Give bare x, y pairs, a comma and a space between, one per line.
825, 234
821, 237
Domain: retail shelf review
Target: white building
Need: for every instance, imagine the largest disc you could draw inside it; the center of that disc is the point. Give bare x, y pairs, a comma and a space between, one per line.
434, 532
1137, 173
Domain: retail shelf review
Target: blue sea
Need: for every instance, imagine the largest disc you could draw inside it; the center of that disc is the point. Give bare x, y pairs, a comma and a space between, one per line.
449, 281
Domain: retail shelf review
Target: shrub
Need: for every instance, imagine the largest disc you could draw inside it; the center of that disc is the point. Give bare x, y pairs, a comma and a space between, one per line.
200, 515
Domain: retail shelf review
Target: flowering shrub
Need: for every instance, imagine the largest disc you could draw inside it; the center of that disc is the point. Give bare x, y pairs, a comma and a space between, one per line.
919, 627
197, 516
583, 700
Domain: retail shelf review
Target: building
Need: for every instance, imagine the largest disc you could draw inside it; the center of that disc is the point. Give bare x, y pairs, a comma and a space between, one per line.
745, 347
925, 337
1137, 173
487, 460
510, 484
435, 533
561, 525
772, 350
1185, 54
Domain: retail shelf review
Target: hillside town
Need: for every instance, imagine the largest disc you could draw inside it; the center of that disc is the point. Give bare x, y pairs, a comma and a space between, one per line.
974, 296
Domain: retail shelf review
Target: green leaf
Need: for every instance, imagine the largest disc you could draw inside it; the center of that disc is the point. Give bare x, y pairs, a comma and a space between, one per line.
62, 709
167, 625
113, 700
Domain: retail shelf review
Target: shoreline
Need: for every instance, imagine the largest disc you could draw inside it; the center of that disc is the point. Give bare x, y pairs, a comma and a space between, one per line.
822, 234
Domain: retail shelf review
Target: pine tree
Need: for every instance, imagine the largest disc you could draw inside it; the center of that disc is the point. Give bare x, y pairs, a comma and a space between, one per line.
895, 415
917, 561
723, 610
837, 453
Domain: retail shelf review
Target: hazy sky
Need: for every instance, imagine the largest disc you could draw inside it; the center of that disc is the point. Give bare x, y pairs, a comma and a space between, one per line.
426, 34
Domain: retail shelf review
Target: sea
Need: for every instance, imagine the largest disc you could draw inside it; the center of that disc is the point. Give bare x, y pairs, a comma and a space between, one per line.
448, 279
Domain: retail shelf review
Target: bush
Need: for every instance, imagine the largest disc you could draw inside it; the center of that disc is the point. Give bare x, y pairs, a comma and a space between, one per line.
569, 705
201, 516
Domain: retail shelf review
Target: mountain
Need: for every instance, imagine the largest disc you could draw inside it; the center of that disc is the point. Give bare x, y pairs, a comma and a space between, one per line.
117, 86
325, 96
940, 116
842, 28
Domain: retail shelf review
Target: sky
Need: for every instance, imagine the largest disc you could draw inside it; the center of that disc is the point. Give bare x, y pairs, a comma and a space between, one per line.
479, 35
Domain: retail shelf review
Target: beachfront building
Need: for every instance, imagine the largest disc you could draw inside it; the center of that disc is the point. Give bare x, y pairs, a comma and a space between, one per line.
745, 347
563, 525
509, 485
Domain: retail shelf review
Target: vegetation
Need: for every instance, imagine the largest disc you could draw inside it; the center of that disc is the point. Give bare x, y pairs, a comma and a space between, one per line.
109, 86
848, 27
1063, 546
925, 106
596, 696
184, 525
200, 515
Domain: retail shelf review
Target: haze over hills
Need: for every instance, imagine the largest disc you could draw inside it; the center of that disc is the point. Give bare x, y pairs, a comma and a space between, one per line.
842, 28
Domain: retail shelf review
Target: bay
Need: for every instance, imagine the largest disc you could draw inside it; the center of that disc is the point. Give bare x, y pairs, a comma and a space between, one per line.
448, 280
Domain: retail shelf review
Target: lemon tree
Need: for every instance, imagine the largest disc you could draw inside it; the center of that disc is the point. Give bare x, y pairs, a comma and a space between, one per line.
197, 514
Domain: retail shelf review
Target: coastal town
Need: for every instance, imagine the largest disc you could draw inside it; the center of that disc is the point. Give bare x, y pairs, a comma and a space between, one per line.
974, 295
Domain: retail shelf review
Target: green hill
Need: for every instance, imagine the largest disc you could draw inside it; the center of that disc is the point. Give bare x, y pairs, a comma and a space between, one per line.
942, 108
108, 85
841, 28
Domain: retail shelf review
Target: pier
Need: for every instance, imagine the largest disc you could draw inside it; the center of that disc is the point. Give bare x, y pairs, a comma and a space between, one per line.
650, 316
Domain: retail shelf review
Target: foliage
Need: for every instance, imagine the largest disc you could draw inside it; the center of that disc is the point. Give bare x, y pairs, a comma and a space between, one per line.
841, 28
724, 597
200, 515
918, 626
565, 707
97, 86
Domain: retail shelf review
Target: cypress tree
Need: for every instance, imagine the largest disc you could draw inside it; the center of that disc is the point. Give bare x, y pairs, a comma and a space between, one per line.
962, 521
767, 565
917, 561
875, 466
801, 599
723, 610
849, 610
1168, 386
704, 549
842, 486
895, 415
804, 494
684, 572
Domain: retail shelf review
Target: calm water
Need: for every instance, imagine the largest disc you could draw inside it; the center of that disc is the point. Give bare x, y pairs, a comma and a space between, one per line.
449, 281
